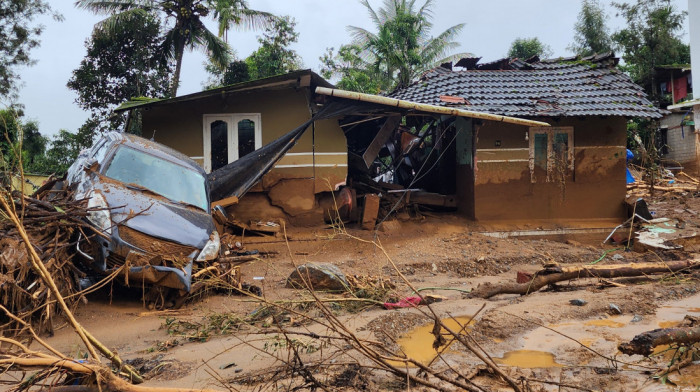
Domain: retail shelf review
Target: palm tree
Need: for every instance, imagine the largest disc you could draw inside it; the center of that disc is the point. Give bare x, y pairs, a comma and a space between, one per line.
187, 29
402, 47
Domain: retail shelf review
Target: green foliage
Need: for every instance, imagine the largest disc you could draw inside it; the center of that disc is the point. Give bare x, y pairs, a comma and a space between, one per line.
274, 56
651, 38
39, 155
592, 35
119, 66
400, 50
63, 150
236, 72
524, 48
354, 74
18, 36
185, 19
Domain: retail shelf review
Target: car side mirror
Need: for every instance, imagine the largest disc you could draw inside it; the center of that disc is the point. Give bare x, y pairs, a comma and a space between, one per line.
90, 164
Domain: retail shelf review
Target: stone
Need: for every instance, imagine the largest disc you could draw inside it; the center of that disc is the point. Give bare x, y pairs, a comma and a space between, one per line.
614, 309
637, 318
618, 257
578, 302
389, 226
323, 277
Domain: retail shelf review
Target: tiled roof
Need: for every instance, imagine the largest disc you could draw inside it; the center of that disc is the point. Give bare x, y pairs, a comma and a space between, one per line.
543, 88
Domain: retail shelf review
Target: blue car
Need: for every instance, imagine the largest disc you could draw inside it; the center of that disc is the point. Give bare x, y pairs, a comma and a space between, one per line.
149, 207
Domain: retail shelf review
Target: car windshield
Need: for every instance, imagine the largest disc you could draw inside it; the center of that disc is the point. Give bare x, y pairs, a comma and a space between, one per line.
165, 178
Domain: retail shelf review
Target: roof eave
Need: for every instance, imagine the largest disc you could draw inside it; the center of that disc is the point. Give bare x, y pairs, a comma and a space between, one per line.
291, 77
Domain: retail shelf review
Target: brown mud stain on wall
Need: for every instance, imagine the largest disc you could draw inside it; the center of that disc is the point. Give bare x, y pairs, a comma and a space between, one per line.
596, 190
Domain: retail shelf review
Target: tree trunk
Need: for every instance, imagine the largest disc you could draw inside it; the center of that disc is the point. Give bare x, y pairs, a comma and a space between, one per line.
644, 343
549, 276
179, 51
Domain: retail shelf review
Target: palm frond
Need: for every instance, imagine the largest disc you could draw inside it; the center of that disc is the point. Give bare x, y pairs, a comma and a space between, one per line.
168, 45
116, 23
254, 20
108, 7
425, 10
360, 37
372, 14
219, 52
440, 45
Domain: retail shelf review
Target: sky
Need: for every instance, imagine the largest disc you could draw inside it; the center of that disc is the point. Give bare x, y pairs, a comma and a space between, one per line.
491, 26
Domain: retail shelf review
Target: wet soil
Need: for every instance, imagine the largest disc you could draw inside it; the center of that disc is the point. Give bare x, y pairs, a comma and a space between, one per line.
568, 343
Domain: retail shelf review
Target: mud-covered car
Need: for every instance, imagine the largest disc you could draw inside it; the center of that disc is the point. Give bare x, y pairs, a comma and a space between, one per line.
152, 205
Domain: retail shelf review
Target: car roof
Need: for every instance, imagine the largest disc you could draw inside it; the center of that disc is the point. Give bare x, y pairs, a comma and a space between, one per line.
156, 149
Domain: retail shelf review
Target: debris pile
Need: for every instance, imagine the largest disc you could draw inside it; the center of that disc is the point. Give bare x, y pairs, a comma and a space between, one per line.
53, 229
662, 180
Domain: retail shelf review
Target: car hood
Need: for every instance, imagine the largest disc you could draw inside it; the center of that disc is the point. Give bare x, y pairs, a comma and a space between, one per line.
157, 216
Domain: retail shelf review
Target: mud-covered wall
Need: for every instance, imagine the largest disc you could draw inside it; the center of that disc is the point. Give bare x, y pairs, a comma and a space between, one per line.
503, 187
319, 158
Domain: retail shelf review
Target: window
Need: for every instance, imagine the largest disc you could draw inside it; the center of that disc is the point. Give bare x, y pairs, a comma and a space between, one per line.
228, 137
139, 170
551, 154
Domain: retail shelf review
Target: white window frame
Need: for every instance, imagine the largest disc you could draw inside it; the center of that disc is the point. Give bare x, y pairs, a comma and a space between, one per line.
231, 120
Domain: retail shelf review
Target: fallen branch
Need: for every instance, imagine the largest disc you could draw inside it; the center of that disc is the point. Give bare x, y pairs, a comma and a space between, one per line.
644, 343
90, 341
680, 188
549, 276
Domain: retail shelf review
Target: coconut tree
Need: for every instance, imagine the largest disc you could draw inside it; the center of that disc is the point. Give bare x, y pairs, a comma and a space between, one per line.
402, 47
185, 24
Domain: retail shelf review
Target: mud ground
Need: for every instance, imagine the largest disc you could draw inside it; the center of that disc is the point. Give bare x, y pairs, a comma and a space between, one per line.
205, 344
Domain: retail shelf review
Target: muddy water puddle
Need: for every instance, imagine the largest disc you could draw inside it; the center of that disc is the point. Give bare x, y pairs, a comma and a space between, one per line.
418, 343
605, 323
528, 359
557, 345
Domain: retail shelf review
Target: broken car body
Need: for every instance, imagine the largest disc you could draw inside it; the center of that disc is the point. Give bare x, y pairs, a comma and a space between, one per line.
152, 205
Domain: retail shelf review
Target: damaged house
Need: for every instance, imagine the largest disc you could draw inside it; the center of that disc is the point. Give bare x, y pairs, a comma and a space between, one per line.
510, 140
573, 170
217, 127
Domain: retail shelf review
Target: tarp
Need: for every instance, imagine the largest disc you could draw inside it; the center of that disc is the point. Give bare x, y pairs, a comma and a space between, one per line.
236, 178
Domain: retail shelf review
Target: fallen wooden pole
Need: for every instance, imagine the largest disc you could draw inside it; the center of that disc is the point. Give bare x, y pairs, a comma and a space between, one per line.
644, 343
109, 381
549, 276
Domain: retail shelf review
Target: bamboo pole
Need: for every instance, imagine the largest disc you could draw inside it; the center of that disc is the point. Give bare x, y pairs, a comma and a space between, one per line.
422, 107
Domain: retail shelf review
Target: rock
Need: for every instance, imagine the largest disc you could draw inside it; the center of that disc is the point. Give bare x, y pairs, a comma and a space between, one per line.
578, 302
614, 309
324, 277
618, 257
390, 225
637, 318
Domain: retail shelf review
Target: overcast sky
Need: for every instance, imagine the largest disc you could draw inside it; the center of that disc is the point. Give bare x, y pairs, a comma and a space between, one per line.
491, 26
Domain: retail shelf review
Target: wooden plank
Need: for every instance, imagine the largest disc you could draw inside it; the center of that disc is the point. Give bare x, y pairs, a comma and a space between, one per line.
385, 132
225, 202
370, 211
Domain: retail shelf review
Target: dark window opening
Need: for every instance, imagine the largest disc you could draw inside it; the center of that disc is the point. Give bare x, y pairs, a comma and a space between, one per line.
246, 137
219, 144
